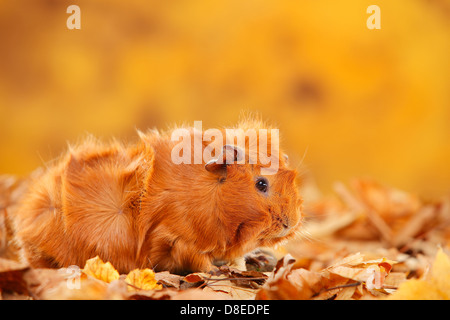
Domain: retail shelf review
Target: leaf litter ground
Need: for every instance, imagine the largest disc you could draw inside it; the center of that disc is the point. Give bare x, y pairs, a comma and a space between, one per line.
366, 241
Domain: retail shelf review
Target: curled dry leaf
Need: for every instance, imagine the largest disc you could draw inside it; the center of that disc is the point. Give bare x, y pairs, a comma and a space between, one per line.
339, 281
195, 277
98, 269
287, 284
166, 279
372, 273
142, 279
250, 279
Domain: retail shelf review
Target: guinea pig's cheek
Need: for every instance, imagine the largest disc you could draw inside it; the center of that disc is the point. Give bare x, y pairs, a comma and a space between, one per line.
297, 219
277, 232
283, 232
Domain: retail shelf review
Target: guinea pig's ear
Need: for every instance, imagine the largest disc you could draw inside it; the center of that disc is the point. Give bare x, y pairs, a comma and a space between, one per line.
230, 154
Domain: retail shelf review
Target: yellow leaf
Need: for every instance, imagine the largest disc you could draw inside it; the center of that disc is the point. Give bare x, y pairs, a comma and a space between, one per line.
440, 273
142, 279
96, 268
416, 290
434, 287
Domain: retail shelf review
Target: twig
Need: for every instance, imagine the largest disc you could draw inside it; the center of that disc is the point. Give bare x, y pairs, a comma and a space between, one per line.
214, 280
348, 285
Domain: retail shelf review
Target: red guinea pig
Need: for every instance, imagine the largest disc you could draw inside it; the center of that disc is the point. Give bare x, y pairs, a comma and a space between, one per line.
134, 206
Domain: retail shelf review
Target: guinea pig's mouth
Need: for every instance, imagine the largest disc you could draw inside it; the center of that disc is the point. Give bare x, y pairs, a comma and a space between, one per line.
281, 229
287, 230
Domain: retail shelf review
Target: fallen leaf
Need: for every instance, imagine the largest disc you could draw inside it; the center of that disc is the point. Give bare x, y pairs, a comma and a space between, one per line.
346, 293
198, 294
167, 279
90, 289
12, 276
372, 273
163, 294
98, 269
193, 278
415, 225
42, 281
230, 291
250, 279
435, 286
287, 284
142, 279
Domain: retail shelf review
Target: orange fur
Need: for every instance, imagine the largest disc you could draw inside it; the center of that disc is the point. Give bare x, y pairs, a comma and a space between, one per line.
134, 207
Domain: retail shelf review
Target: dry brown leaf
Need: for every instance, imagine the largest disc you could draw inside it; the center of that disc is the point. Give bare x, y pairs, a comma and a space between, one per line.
250, 279
346, 293
227, 288
387, 201
281, 289
42, 281
193, 280
287, 284
373, 215
166, 279
12, 276
372, 273
415, 225
339, 281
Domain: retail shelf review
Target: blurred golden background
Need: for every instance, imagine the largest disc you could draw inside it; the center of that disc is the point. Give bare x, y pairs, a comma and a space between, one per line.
356, 102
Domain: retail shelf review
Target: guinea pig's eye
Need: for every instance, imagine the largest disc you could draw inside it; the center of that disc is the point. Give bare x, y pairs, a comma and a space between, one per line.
262, 184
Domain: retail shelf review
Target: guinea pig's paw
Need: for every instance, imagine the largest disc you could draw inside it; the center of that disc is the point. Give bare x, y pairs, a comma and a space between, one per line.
238, 263
260, 260
214, 271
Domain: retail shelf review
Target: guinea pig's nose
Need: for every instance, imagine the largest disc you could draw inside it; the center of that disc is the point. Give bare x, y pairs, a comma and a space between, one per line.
286, 227
286, 221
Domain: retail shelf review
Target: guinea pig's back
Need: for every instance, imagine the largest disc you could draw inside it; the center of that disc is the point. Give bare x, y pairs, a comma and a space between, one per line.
83, 206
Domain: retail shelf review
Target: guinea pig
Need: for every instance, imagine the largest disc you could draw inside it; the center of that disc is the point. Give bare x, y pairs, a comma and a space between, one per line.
134, 206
